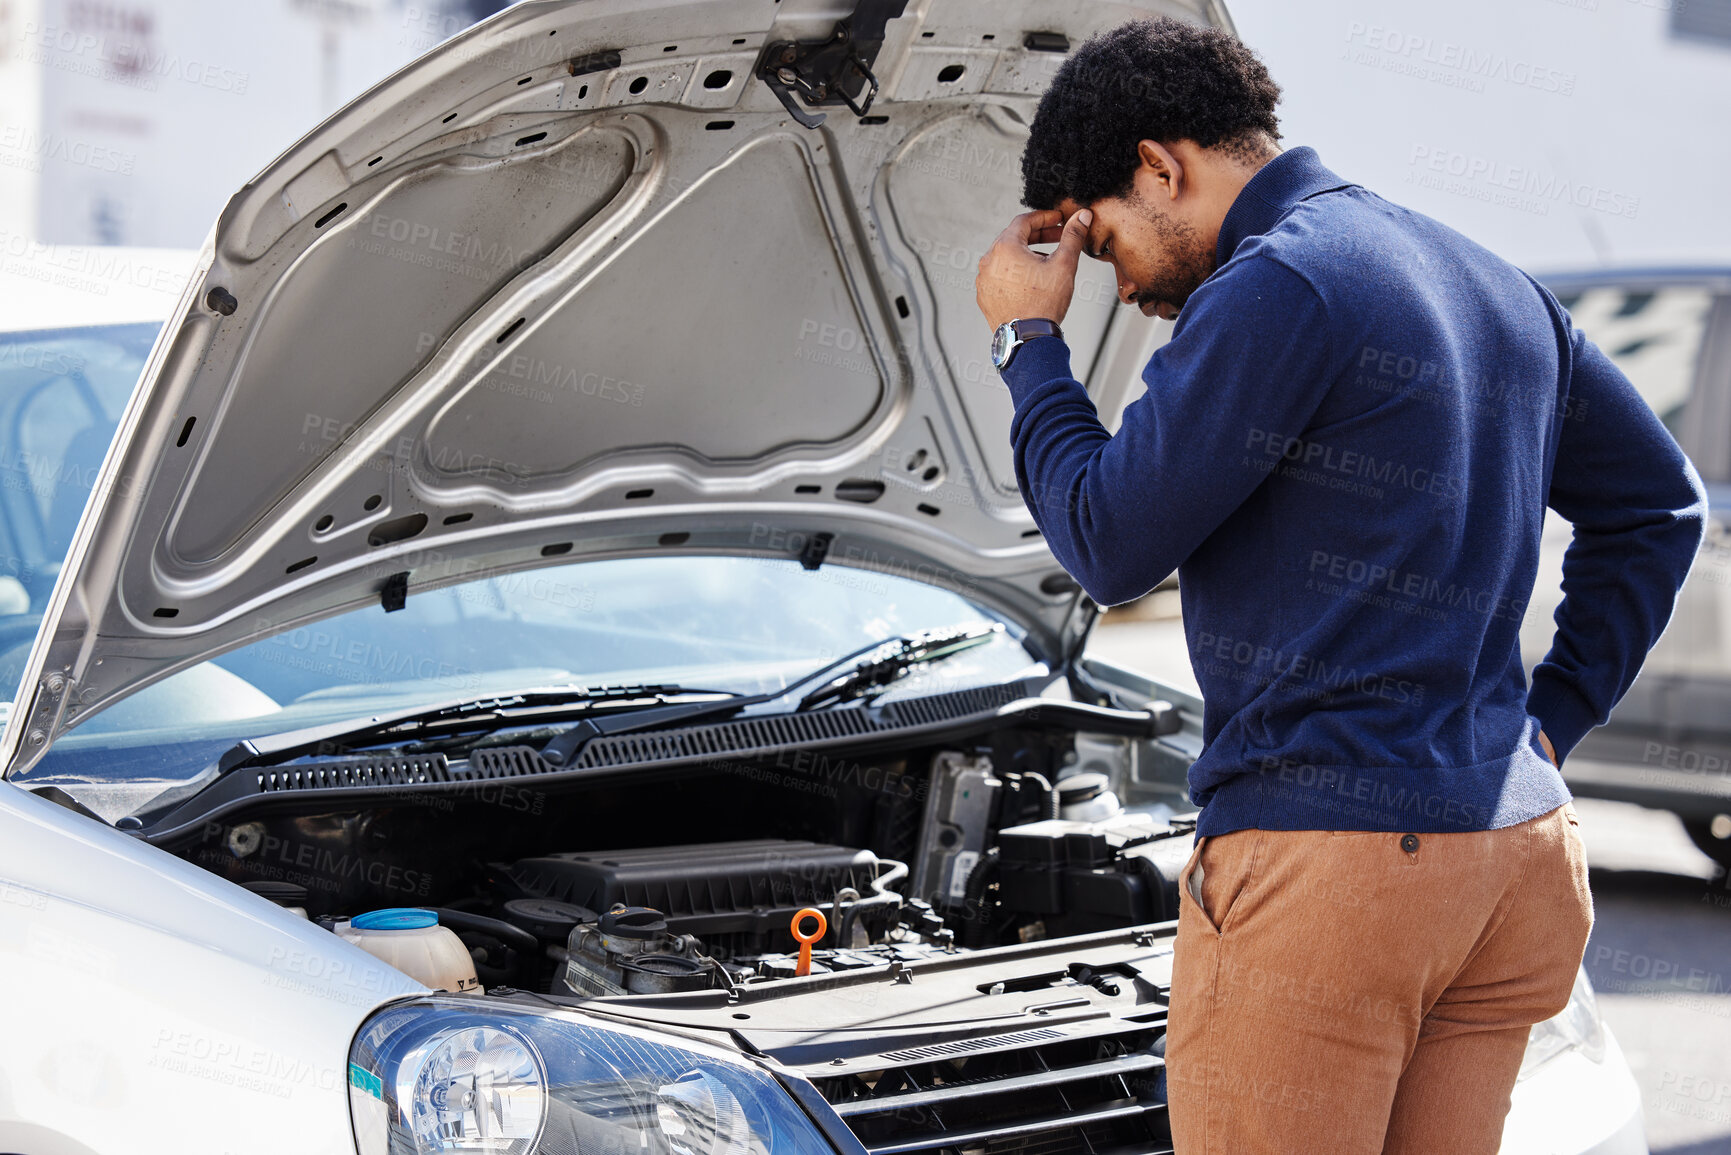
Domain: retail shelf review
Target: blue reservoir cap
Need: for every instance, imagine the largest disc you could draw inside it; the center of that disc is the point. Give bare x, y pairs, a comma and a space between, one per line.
395, 918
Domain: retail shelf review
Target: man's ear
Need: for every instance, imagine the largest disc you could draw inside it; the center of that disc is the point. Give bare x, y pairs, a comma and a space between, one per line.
1160, 172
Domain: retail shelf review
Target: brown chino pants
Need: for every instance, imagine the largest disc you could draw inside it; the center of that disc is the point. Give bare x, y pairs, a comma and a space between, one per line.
1341, 992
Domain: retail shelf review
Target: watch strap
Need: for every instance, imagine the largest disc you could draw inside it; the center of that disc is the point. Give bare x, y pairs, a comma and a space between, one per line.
1028, 328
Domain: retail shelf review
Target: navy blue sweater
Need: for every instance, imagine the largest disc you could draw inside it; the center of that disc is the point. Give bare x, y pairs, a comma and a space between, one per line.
1346, 450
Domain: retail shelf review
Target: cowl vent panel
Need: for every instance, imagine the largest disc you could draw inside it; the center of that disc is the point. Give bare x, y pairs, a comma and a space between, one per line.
350, 773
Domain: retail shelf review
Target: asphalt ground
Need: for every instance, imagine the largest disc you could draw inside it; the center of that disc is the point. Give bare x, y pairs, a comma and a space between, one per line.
1660, 953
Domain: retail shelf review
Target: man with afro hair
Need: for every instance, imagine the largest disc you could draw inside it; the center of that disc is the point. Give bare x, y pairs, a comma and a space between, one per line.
1346, 449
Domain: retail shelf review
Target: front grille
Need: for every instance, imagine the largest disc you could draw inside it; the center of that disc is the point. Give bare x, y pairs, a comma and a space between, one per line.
1047, 1094
963, 1046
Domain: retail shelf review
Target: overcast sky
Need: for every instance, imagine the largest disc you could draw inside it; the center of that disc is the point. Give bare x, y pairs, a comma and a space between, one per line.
1563, 135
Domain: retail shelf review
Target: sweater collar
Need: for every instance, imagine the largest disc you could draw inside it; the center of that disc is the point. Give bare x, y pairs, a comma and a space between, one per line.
1295, 175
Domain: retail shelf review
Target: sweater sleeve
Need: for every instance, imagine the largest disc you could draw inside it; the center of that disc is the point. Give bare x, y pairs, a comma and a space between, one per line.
1249, 361
1639, 512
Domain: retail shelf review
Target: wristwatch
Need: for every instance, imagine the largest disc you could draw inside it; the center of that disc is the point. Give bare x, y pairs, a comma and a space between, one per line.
1012, 335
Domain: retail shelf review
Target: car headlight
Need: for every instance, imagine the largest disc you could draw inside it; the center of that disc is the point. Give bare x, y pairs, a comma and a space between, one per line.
1577, 1028
453, 1074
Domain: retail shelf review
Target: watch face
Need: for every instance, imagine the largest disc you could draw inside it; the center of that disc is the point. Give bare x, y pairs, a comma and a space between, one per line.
1002, 337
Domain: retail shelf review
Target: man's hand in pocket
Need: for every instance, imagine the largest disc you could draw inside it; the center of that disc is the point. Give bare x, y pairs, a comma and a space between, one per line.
1550, 750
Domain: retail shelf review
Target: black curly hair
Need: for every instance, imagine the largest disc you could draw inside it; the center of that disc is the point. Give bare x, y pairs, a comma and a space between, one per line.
1160, 80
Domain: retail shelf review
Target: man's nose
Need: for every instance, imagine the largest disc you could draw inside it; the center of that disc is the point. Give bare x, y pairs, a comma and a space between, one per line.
1126, 290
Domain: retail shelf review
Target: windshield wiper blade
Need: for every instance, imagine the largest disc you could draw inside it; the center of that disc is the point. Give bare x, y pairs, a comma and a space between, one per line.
877, 664
893, 659
486, 713
923, 646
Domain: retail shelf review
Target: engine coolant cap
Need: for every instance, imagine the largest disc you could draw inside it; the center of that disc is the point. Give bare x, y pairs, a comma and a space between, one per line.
395, 918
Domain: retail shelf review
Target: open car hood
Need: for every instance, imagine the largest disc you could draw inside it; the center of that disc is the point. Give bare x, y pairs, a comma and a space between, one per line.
576, 284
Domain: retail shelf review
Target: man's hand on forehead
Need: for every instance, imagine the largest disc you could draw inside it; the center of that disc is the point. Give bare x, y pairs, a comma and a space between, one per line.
1066, 210
1015, 282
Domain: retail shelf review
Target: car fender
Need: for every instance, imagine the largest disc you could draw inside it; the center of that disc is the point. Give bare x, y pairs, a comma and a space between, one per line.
135, 978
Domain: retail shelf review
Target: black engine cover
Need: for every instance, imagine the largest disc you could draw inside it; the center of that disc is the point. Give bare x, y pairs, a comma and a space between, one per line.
715, 890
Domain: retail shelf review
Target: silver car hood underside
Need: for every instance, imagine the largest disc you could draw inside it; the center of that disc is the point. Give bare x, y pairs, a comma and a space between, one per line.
529, 302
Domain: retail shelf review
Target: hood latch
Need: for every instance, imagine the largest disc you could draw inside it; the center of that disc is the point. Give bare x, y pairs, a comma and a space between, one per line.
836, 70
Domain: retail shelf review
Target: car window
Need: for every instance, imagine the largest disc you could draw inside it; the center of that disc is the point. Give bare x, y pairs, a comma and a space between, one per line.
1653, 336
62, 392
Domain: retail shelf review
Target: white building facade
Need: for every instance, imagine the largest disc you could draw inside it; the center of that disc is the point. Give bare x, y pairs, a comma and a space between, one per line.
130, 122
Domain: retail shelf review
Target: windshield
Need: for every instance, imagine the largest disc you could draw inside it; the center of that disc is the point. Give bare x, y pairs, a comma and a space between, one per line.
739, 624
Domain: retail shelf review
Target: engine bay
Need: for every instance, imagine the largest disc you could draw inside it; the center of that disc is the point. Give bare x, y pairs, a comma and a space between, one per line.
984, 899
690, 878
